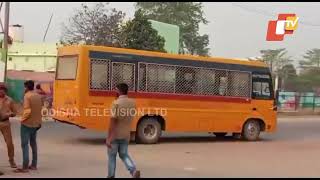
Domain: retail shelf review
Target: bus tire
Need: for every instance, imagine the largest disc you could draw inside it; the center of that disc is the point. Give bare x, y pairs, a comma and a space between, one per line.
251, 130
220, 134
148, 131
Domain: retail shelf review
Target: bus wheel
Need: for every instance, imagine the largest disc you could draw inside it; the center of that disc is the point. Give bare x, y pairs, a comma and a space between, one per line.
251, 130
148, 131
220, 134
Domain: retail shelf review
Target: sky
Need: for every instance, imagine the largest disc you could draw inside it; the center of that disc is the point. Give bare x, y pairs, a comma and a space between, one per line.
235, 30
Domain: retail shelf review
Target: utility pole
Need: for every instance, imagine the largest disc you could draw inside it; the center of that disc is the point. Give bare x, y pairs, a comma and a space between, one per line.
45, 34
6, 36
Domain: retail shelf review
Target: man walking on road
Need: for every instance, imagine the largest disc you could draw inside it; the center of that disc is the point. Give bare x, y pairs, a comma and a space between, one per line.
119, 132
7, 110
30, 123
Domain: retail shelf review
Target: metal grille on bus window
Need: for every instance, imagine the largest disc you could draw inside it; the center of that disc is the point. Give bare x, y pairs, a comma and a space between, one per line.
221, 82
239, 84
123, 73
142, 77
202, 81
193, 80
99, 74
213, 82
186, 80
160, 78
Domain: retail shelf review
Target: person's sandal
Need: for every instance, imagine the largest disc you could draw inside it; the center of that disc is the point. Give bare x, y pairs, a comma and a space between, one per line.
1, 173
33, 168
13, 164
19, 170
136, 174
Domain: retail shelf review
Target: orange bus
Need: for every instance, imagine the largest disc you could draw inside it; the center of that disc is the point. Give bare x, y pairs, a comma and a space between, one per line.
195, 94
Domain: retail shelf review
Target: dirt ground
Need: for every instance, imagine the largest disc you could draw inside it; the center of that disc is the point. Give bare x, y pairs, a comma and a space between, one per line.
67, 151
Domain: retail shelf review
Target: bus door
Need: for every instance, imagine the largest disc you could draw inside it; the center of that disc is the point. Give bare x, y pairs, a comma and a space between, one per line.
263, 97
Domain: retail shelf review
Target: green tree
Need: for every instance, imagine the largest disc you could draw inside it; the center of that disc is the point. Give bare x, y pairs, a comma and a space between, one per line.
310, 78
139, 34
307, 81
288, 76
186, 15
311, 58
97, 25
198, 45
275, 58
288, 71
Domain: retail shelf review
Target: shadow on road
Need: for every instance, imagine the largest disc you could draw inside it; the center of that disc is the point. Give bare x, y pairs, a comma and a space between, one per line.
90, 141
173, 140
210, 139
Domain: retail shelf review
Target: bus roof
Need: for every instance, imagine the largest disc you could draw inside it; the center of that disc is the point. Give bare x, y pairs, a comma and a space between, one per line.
75, 48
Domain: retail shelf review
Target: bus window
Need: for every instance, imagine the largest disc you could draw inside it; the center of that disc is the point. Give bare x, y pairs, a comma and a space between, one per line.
221, 82
261, 90
223, 86
67, 68
239, 84
142, 77
123, 73
185, 81
99, 74
160, 78
206, 83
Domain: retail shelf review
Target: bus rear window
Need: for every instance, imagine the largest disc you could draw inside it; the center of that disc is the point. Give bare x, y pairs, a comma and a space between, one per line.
67, 68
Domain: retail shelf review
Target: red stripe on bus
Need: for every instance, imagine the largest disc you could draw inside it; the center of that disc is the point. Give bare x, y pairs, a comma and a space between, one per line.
173, 96
102, 93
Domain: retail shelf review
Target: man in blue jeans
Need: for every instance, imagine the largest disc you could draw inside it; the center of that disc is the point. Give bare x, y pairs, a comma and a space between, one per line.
119, 132
30, 123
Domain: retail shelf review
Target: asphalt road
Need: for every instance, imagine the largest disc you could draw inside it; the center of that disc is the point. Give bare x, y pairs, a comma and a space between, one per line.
67, 151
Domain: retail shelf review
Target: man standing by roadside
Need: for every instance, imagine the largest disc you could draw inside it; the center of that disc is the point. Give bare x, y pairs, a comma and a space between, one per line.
7, 110
119, 132
30, 123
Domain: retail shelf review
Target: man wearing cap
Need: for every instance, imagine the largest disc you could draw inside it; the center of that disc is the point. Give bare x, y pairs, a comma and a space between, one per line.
7, 110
